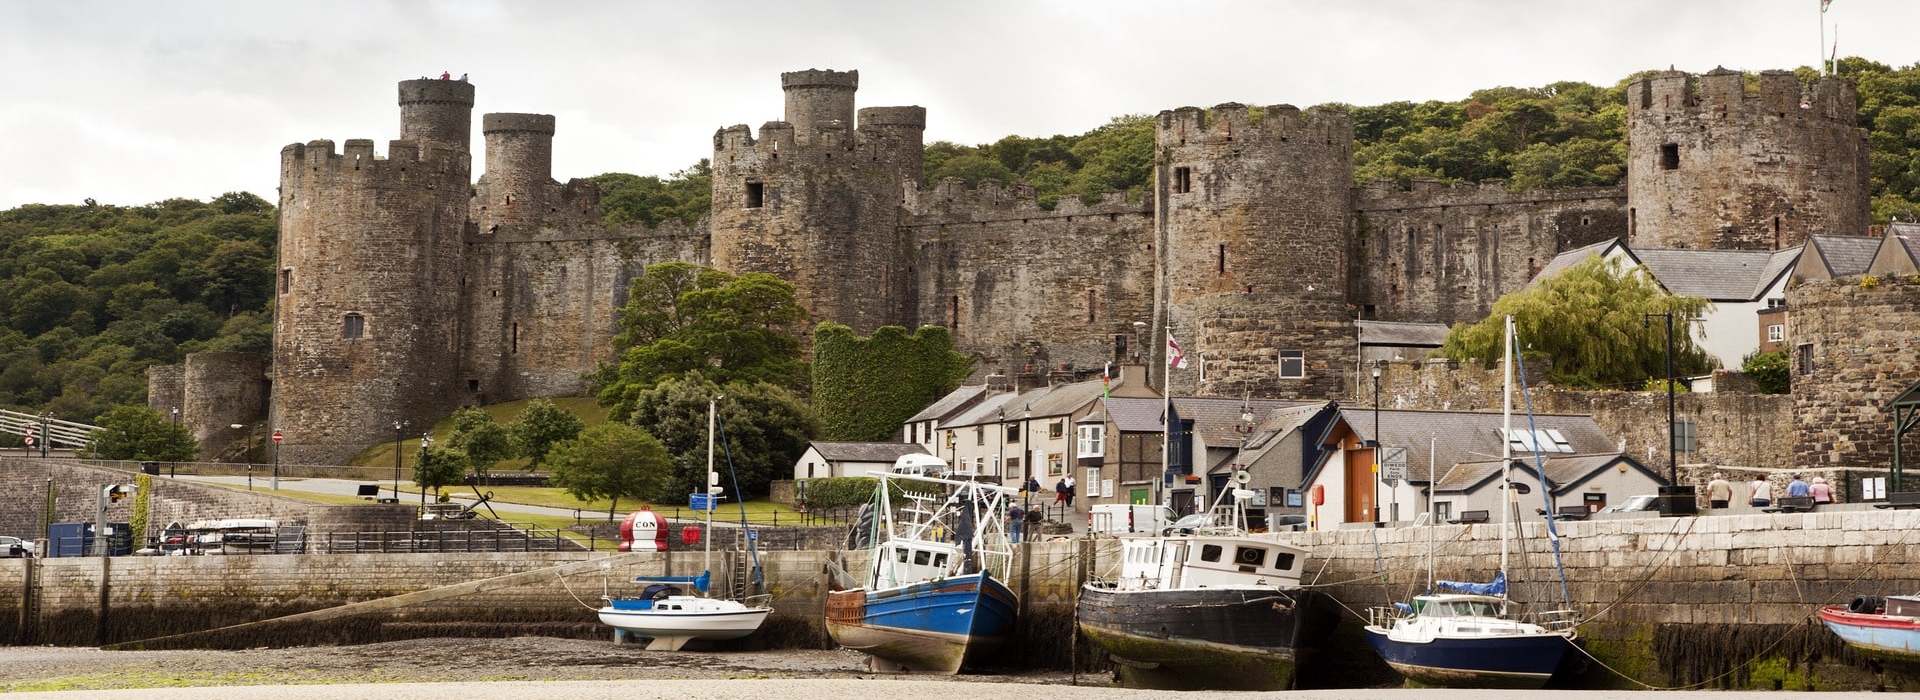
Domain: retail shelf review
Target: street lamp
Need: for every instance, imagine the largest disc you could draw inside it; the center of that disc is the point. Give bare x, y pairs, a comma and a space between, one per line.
398, 435
1139, 337
1675, 499
275, 483
419, 469
46, 438
1376, 445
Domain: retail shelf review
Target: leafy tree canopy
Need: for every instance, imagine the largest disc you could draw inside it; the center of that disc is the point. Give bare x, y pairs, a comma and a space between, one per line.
92, 295
1769, 370
766, 429
864, 388
1591, 321
141, 433
1117, 157
440, 466
684, 196
680, 317
539, 427
612, 461
485, 441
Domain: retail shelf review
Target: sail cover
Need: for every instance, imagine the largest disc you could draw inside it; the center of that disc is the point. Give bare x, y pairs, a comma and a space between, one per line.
1497, 587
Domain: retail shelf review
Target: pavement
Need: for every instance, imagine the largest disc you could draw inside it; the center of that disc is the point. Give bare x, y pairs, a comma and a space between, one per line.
349, 487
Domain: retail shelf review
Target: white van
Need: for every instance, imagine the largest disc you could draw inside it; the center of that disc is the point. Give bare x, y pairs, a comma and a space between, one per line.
1119, 518
920, 465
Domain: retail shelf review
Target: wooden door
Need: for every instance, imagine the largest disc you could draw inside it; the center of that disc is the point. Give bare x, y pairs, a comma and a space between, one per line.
1359, 486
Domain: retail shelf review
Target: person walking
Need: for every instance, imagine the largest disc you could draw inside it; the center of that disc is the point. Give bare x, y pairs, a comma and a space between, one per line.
1820, 491
1070, 488
1060, 492
1719, 492
1016, 523
1762, 493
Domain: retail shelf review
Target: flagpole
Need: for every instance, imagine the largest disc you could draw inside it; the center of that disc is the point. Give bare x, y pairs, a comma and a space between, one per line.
1166, 415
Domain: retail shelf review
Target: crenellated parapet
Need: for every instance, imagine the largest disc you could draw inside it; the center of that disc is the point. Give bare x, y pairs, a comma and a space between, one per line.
1384, 194
1235, 126
1711, 164
951, 201
407, 165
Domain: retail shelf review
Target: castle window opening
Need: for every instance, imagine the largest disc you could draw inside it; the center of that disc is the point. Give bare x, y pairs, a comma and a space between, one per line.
1669, 156
755, 195
1093, 300
509, 200
1633, 222
1368, 311
1182, 180
1776, 233
516, 339
1293, 364
953, 312
1120, 346
354, 326
473, 385
286, 280
1221, 261
1586, 221
1803, 360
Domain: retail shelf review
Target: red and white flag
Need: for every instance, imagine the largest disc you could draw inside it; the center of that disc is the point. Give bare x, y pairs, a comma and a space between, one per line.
1176, 358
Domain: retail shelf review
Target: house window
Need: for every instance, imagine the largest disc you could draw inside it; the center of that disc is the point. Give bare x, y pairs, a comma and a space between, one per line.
1669, 156
1293, 364
1056, 464
996, 464
1182, 180
1013, 434
1093, 440
1056, 429
755, 195
979, 436
1803, 360
1093, 484
1442, 510
1776, 332
354, 327
1776, 302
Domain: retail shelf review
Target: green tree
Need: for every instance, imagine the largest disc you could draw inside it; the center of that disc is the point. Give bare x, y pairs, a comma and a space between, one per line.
1769, 370
766, 429
612, 461
141, 433
864, 388
539, 427
684, 196
1591, 320
440, 466
681, 317
485, 441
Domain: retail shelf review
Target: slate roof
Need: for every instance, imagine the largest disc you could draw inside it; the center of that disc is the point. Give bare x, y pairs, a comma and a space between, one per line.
949, 403
1273, 429
1134, 415
1419, 335
1044, 402
1903, 228
866, 451
1214, 420
1717, 275
1460, 437
1845, 255
1561, 471
1561, 262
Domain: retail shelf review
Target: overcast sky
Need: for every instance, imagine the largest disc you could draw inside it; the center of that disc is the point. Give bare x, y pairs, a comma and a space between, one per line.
133, 102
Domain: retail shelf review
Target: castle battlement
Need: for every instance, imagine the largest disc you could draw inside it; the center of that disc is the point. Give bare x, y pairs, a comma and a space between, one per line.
500, 122
914, 117
317, 158
814, 77
951, 200
1723, 93
737, 140
1237, 123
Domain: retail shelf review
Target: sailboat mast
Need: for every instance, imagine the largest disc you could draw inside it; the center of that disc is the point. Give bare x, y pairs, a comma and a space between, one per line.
707, 559
1433, 483
1506, 445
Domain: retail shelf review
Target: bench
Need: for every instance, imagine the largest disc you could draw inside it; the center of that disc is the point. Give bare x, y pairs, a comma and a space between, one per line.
1471, 516
1797, 504
1574, 512
1901, 499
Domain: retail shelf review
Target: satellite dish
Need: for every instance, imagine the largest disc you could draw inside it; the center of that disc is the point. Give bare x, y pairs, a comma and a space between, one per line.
1242, 477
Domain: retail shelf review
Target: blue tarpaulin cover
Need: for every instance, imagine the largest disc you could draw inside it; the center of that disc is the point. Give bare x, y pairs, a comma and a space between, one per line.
1497, 587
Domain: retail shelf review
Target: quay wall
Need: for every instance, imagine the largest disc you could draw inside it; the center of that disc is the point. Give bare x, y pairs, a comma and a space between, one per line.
1721, 600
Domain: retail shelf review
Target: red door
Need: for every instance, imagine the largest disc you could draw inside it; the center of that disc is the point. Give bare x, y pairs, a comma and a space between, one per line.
1359, 486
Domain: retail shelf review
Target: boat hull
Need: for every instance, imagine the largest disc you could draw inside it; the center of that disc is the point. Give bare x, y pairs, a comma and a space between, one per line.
929, 627
1890, 637
1511, 661
702, 625
1204, 638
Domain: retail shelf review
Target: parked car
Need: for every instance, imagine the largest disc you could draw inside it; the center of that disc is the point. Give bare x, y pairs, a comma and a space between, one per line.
11, 547
1634, 504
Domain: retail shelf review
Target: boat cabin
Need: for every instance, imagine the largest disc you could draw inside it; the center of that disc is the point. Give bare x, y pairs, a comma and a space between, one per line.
1209, 562
905, 560
1459, 605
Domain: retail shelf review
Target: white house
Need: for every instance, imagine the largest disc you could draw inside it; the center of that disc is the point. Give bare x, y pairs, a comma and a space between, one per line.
833, 459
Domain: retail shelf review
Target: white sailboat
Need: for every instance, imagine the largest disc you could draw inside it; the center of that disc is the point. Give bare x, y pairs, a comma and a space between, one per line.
667, 615
1471, 637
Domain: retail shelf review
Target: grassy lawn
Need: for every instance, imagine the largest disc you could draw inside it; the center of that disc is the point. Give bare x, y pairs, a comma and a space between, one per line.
585, 408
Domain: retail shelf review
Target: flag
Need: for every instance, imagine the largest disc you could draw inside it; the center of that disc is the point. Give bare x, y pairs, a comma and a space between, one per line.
1175, 358
1106, 380
1824, 4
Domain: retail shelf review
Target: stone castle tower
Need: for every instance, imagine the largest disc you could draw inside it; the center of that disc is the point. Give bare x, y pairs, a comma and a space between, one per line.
815, 200
1252, 220
1712, 166
370, 271
405, 289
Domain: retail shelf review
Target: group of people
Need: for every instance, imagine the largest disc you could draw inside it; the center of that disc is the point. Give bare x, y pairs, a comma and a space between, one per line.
1760, 491
1023, 522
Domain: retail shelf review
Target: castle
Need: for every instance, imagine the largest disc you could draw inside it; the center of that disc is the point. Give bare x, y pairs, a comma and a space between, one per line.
405, 290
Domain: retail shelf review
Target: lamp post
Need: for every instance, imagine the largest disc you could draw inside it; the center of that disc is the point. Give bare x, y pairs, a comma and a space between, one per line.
1675, 499
419, 469
1376, 445
249, 429
46, 438
398, 435
1139, 337
275, 483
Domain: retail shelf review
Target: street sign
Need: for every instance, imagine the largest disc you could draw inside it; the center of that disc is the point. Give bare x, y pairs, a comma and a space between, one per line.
277, 436
1393, 464
28, 439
